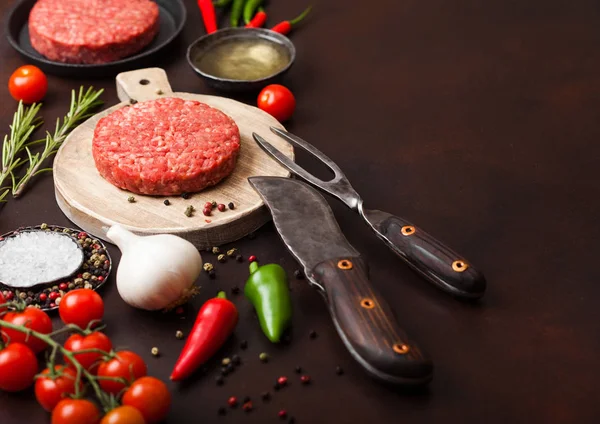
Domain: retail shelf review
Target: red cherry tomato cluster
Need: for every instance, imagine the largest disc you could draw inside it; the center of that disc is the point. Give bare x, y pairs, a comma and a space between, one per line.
122, 374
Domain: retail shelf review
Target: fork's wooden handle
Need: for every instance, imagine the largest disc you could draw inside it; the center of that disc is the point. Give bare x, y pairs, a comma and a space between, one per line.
432, 258
367, 326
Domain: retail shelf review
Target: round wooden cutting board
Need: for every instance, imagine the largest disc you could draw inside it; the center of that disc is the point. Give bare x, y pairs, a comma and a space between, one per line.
94, 204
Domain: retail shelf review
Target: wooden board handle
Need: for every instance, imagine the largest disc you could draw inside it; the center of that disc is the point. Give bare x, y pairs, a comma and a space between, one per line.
367, 326
143, 84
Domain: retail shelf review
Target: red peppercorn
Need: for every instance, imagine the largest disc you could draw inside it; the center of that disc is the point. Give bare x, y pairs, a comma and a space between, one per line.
100, 278
305, 379
208, 205
221, 207
252, 258
82, 235
179, 310
43, 297
9, 296
282, 414
106, 262
53, 305
206, 211
79, 275
63, 286
282, 381
96, 246
232, 401
247, 406
54, 295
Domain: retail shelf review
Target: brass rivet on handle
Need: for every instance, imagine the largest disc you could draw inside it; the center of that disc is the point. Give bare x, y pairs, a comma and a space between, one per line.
408, 230
401, 349
367, 303
459, 266
344, 264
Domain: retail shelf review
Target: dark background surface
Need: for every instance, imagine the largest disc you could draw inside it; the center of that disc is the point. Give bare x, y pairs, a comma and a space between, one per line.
478, 121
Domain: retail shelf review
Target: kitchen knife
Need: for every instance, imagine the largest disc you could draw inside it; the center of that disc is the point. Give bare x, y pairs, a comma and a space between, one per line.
362, 318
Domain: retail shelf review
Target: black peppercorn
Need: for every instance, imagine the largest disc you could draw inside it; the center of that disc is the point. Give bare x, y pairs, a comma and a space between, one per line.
235, 290
212, 274
299, 274
236, 359
265, 396
298, 370
230, 205
133, 101
339, 370
219, 380
239, 258
166, 202
276, 387
224, 371
222, 411
312, 334
244, 345
185, 195
230, 368
292, 420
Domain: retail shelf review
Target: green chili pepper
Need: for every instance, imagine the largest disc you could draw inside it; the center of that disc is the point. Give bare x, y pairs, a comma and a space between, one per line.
249, 8
268, 291
236, 12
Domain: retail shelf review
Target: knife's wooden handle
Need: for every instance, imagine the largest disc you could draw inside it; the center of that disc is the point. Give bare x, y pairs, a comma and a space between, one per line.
434, 260
367, 325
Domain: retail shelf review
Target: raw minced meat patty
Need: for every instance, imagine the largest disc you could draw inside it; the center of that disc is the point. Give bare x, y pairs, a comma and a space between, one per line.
92, 31
166, 146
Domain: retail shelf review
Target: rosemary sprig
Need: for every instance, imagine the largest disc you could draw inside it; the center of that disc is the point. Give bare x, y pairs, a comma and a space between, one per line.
82, 106
25, 121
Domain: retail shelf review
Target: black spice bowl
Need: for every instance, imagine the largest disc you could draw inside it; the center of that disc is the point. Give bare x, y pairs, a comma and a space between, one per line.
92, 273
205, 43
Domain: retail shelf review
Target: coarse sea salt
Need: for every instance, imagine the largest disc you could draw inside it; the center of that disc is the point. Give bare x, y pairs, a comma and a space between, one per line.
35, 257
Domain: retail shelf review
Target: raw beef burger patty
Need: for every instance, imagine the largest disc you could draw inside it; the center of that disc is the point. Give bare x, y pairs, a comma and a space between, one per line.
167, 146
92, 31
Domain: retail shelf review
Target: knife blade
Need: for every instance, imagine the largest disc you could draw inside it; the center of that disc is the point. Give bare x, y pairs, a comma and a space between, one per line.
363, 319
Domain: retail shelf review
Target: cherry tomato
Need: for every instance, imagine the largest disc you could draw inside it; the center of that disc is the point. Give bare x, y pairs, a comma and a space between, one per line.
151, 397
80, 307
51, 390
18, 367
28, 83
123, 415
278, 101
75, 411
96, 340
127, 365
2, 300
33, 318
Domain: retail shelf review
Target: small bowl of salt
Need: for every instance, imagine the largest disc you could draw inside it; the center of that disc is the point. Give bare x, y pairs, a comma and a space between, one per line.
30, 258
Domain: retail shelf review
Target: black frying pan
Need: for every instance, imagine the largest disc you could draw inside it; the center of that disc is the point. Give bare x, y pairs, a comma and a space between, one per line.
172, 18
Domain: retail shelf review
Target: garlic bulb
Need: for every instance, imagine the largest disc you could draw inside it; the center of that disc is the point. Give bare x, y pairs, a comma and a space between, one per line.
157, 271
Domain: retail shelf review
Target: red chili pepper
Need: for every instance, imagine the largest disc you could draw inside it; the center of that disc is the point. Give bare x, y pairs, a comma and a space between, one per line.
286, 26
258, 20
214, 324
207, 8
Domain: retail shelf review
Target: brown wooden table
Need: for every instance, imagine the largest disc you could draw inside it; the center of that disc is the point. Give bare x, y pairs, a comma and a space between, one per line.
476, 120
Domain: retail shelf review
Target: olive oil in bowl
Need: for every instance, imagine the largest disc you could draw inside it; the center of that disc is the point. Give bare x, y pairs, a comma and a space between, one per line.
243, 59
